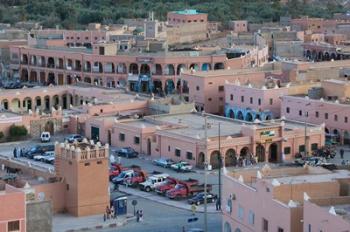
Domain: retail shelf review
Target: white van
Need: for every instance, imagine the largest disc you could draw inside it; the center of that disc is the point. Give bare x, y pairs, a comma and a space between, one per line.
45, 137
153, 181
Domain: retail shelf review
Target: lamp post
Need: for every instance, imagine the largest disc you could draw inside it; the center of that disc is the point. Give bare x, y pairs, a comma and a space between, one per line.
205, 174
220, 167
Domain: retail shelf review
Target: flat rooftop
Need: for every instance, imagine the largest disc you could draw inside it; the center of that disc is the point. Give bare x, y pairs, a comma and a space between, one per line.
192, 125
187, 12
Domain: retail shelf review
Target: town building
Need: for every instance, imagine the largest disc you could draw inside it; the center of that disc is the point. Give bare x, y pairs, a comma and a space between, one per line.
327, 104
12, 209
181, 136
291, 195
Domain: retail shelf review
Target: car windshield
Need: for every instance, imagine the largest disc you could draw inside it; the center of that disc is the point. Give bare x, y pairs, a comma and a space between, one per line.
122, 175
178, 186
34, 148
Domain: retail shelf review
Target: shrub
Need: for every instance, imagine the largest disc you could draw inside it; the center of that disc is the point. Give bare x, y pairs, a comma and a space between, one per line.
17, 132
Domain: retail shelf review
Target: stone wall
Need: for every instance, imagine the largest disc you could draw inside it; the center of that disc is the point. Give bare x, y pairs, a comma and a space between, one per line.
39, 216
52, 125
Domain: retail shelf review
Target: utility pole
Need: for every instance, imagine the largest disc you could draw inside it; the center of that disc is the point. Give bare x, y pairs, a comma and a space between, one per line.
205, 174
305, 135
220, 166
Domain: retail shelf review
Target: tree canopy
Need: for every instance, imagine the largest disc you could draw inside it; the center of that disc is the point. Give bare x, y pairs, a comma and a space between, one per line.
77, 13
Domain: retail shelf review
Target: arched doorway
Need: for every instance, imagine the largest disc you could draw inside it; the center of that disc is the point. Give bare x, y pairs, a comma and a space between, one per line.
215, 159
346, 137
260, 152
49, 127
51, 79
47, 103
243, 155
336, 135
169, 87
230, 158
249, 117
180, 68
240, 115
24, 75
149, 146
273, 153
201, 160
157, 70
194, 67
231, 114
134, 69
15, 105
169, 69
145, 69
27, 103
206, 67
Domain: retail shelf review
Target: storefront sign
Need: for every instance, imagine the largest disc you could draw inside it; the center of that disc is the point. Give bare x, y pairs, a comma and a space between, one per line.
267, 133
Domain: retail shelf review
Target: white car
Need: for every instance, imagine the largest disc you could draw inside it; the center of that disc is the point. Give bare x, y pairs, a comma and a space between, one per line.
45, 137
49, 159
43, 156
182, 166
153, 181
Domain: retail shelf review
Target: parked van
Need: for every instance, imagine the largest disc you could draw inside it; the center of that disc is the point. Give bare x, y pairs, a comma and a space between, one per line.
45, 137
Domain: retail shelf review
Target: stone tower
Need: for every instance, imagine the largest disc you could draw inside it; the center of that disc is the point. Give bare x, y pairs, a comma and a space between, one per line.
83, 167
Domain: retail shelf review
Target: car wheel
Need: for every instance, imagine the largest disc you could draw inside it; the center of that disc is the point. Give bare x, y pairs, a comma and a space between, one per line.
147, 189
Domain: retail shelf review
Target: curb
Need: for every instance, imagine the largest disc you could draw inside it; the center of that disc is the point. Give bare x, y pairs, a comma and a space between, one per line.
105, 226
171, 205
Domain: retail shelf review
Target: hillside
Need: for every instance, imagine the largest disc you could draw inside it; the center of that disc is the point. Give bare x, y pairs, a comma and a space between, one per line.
77, 13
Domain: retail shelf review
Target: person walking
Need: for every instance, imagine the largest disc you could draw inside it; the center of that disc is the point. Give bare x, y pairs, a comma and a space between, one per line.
15, 152
218, 204
342, 153
141, 216
137, 215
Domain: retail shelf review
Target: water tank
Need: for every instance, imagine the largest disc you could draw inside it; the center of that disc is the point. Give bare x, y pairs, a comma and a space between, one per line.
315, 93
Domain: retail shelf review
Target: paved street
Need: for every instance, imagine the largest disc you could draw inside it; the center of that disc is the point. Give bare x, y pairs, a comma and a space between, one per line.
163, 218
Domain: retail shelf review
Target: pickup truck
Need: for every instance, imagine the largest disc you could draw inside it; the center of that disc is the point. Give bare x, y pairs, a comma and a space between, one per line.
183, 190
170, 183
115, 170
137, 178
153, 181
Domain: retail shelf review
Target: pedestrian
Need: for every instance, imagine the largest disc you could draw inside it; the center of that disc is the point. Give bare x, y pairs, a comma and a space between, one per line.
108, 212
15, 152
183, 229
141, 216
218, 204
343, 162
112, 212
342, 153
21, 153
104, 217
137, 215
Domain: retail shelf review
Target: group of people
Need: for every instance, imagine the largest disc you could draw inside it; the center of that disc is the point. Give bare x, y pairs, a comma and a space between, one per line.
18, 152
110, 213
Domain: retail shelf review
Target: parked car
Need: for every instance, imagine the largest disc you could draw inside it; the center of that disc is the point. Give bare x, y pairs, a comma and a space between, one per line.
42, 157
38, 150
199, 198
313, 161
71, 138
49, 159
182, 166
45, 137
153, 181
127, 152
123, 176
163, 162
184, 189
33, 151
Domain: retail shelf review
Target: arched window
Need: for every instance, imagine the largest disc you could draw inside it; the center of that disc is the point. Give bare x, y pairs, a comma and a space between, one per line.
227, 227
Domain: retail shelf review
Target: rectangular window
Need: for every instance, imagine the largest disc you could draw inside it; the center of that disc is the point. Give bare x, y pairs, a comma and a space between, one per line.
287, 110
259, 101
240, 212
99, 162
300, 112
316, 114
346, 119
87, 164
242, 98
326, 116
309, 228
137, 140
314, 146
265, 225
287, 150
121, 137
251, 100
271, 101
231, 97
251, 217
280, 229
335, 117
189, 155
221, 88
13, 226
177, 152
168, 148
301, 148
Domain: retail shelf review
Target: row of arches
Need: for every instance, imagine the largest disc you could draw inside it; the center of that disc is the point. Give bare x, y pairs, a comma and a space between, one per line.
247, 114
120, 68
232, 158
337, 136
321, 55
43, 103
